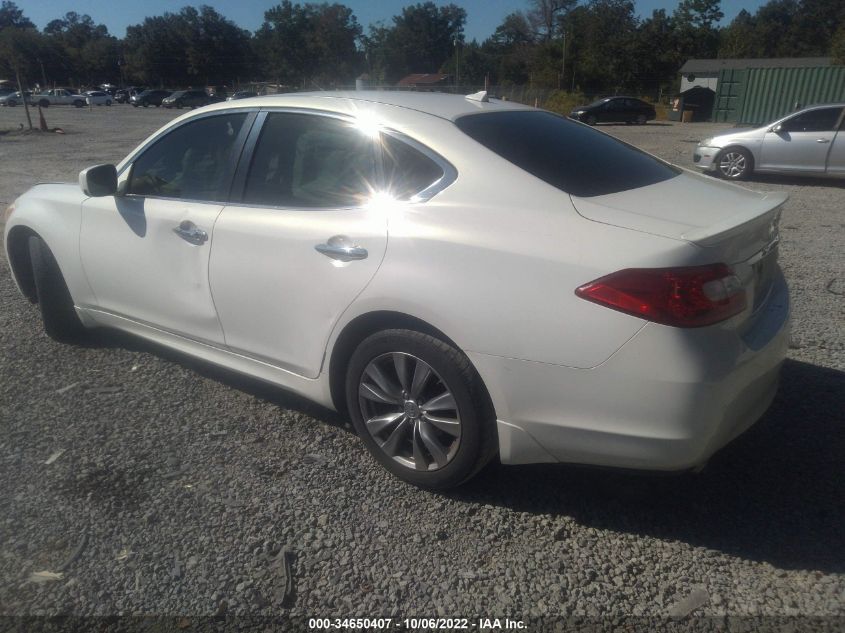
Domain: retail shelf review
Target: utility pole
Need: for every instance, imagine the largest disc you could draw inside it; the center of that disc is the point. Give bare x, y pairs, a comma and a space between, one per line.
457, 66
562, 63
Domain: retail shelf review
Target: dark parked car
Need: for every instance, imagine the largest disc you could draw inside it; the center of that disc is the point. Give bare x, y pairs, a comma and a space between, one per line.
187, 99
149, 98
242, 94
615, 110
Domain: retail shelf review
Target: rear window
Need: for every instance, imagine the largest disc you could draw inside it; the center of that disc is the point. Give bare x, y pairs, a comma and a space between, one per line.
567, 155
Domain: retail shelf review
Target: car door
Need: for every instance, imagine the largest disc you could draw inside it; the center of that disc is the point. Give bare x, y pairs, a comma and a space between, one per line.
802, 142
146, 252
303, 241
836, 156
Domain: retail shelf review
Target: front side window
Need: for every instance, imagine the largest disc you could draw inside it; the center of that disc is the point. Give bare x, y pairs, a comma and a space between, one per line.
407, 171
569, 156
304, 160
193, 162
821, 120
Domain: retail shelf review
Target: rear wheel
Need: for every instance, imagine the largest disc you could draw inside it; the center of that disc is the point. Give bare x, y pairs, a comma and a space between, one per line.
735, 163
44, 103
78, 103
420, 408
641, 119
60, 319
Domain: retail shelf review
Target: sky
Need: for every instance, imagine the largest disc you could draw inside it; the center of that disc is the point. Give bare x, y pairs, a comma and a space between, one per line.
483, 16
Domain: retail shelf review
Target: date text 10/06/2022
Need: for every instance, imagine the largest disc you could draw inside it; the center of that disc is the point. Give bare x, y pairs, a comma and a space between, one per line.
447, 624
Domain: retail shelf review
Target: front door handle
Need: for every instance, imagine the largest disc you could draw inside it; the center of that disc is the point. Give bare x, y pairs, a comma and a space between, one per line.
822, 140
341, 248
191, 233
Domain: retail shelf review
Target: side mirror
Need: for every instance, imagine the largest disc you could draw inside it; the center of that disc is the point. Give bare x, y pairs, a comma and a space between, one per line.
777, 128
99, 181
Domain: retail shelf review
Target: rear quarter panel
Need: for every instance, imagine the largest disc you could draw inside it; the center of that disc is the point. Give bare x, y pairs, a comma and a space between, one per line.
494, 260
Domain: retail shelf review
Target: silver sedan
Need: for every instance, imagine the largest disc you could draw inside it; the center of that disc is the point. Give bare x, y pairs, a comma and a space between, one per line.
806, 143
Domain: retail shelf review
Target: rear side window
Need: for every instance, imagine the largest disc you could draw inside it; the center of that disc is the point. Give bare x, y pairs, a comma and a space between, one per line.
567, 155
302, 160
407, 171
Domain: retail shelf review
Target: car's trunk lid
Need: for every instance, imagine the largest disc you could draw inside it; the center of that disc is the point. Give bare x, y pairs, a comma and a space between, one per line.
696, 209
737, 226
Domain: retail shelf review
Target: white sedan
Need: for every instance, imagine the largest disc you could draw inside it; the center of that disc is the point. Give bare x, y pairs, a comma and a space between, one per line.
805, 143
98, 97
464, 278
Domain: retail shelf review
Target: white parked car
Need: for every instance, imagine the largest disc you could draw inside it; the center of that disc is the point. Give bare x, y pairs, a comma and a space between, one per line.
805, 143
59, 96
462, 277
98, 97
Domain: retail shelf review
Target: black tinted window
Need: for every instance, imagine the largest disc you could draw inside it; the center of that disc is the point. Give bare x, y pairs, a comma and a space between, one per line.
303, 160
193, 162
822, 120
567, 155
407, 171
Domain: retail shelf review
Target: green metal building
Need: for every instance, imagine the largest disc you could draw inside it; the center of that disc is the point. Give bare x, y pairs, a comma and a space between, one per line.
756, 91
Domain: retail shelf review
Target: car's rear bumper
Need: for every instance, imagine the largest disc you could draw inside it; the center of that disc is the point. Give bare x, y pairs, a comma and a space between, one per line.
667, 400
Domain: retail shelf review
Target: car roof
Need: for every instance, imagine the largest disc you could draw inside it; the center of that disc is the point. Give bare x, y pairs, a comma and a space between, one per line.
446, 106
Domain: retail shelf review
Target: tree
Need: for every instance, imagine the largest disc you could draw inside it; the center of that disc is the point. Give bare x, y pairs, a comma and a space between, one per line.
738, 39
193, 47
88, 53
544, 16
422, 39
309, 43
19, 50
695, 28
11, 15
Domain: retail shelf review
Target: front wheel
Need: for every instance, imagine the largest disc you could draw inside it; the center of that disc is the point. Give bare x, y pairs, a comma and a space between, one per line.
642, 120
420, 408
735, 163
44, 103
60, 319
591, 120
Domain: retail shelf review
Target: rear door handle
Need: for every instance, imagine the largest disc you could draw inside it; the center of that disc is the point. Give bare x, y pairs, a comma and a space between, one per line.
822, 140
341, 248
191, 233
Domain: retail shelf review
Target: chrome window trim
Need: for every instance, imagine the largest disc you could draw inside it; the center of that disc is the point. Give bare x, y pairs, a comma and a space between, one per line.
450, 174
133, 156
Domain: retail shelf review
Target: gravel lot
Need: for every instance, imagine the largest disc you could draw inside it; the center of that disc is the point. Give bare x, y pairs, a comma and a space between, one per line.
180, 485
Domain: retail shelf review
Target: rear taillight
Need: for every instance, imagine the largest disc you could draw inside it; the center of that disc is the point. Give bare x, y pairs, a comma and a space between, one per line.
693, 296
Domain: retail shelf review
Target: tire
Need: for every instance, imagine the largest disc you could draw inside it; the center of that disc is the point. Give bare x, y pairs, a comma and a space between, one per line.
734, 163
400, 434
78, 103
44, 103
57, 312
11, 104
642, 120
108, 103
591, 120
145, 104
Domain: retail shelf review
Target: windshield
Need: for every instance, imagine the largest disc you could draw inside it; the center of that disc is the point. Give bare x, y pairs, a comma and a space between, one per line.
570, 156
597, 103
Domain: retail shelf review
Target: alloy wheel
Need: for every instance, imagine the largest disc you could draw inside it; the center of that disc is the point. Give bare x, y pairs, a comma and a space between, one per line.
409, 411
733, 164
